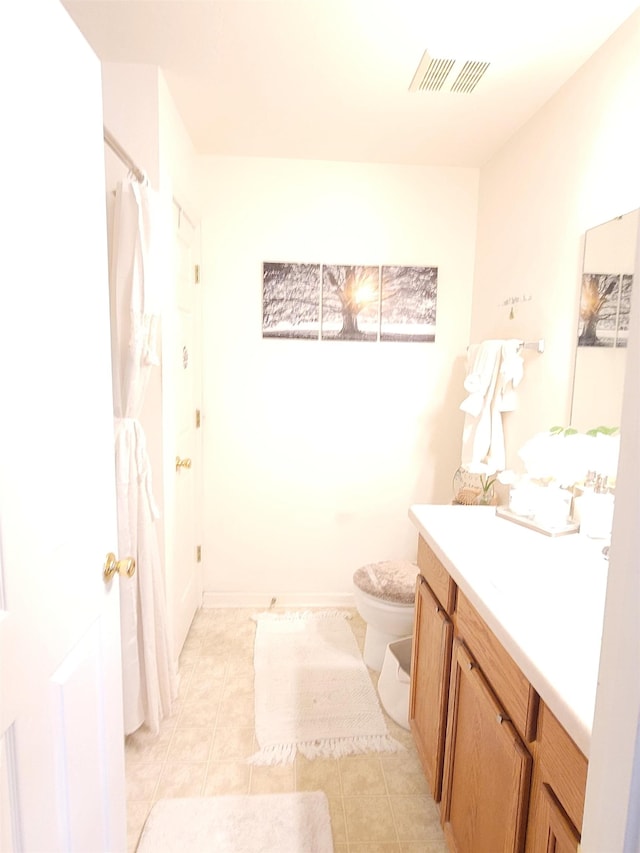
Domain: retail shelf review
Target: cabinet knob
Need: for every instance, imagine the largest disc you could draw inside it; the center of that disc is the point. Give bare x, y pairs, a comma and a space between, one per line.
502, 718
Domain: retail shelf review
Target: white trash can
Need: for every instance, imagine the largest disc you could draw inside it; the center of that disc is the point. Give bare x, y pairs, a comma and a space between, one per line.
394, 681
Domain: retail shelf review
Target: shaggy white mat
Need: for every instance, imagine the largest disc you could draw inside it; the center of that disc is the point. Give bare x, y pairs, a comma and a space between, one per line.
313, 692
257, 823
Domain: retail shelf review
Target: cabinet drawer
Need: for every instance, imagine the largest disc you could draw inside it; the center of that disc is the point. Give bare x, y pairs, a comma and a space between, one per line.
436, 576
516, 695
565, 767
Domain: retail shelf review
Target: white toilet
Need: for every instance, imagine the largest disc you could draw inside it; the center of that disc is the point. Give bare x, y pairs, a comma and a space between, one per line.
385, 598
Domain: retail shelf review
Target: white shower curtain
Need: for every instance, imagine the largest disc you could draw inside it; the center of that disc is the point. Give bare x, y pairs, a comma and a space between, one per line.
140, 269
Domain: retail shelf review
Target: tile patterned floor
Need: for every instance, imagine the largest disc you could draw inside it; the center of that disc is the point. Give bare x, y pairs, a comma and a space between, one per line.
379, 802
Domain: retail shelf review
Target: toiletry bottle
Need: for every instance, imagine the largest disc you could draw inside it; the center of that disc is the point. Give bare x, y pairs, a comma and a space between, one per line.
581, 499
597, 512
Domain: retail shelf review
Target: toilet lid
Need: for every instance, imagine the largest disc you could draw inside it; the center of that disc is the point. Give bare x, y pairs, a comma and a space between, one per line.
390, 580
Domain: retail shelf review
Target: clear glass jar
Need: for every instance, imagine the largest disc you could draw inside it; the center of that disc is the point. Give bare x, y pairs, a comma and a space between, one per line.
466, 487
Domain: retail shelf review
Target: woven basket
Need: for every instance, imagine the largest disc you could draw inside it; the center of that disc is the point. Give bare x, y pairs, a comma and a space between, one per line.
467, 496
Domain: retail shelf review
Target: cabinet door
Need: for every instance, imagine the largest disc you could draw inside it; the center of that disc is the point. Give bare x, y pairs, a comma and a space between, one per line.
430, 669
487, 767
553, 831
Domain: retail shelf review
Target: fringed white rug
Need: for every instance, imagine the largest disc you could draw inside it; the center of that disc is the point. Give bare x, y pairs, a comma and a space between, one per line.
257, 823
313, 692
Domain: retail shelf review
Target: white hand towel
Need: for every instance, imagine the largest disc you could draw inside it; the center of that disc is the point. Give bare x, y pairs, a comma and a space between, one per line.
480, 431
482, 360
511, 373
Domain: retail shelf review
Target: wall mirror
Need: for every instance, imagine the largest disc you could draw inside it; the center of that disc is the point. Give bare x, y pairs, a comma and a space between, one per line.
606, 290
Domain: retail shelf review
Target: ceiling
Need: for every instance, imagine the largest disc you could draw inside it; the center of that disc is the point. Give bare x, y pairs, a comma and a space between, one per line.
329, 79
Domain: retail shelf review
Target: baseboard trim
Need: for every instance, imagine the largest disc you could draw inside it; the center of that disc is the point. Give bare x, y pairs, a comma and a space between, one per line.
288, 599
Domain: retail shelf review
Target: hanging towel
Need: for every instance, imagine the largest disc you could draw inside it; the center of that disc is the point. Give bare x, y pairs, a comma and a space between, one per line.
482, 361
494, 370
511, 373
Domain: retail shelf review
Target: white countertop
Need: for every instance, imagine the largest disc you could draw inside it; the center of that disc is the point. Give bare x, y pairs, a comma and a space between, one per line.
543, 597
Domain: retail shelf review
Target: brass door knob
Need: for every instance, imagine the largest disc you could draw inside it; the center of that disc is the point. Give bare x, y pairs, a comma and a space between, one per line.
182, 463
124, 567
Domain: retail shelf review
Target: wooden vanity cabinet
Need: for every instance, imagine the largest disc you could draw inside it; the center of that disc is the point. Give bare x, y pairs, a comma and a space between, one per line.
437, 577
509, 777
550, 826
431, 663
487, 774
512, 689
428, 697
557, 795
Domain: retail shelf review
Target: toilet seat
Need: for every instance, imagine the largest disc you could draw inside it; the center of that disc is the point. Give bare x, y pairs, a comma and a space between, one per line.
393, 581
384, 595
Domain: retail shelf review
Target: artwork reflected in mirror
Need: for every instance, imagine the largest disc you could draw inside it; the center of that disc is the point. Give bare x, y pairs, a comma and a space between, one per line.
605, 305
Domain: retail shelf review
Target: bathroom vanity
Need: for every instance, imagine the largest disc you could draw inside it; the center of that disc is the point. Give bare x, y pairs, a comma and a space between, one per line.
508, 625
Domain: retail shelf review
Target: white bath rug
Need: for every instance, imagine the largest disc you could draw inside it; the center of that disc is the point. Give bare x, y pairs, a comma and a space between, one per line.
257, 823
313, 692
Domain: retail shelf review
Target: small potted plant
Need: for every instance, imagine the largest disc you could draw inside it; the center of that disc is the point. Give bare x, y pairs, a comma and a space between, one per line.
474, 484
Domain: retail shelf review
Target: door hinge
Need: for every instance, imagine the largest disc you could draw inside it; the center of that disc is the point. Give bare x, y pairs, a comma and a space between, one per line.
196, 273
197, 418
198, 553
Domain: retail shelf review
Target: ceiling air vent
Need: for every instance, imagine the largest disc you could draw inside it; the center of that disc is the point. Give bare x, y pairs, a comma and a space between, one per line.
431, 74
470, 75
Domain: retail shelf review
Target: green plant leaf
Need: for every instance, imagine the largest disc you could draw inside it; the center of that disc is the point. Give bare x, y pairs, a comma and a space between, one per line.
602, 430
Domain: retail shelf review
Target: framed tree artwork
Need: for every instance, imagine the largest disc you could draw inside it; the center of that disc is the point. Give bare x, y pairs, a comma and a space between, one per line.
349, 302
408, 303
290, 300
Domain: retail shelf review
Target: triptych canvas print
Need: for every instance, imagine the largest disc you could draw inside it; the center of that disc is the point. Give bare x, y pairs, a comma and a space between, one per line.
349, 302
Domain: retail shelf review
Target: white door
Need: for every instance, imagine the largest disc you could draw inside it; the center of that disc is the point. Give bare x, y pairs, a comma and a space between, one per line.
61, 739
186, 567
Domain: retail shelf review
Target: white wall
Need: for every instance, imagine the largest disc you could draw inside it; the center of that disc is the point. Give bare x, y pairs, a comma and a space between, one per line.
131, 112
178, 162
573, 166
314, 450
